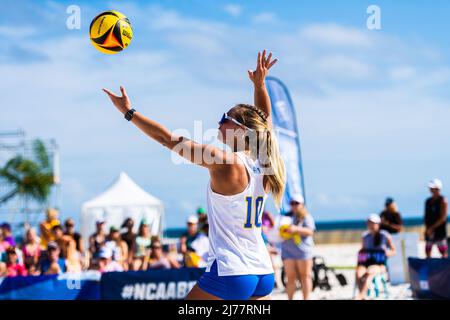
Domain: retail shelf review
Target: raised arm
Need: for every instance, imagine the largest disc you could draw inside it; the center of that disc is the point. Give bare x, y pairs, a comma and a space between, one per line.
200, 154
262, 99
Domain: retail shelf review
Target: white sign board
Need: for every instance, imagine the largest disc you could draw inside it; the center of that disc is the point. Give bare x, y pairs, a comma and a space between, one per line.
406, 245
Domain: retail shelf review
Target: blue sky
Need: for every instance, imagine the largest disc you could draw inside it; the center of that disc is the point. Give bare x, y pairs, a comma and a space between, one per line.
373, 106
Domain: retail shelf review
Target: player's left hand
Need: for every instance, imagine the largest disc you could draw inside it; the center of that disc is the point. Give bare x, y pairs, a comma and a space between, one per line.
263, 64
122, 103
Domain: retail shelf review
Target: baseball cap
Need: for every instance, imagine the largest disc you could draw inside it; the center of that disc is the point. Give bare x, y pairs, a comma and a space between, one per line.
114, 229
192, 219
201, 210
374, 218
297, 197
100, 221
435, 184
52, 245
389, 201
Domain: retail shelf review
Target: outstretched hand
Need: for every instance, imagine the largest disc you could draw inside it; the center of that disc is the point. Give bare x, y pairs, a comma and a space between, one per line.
263, 64
122, 103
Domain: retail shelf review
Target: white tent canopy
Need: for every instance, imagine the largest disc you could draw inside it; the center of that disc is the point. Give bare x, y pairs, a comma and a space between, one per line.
123, 199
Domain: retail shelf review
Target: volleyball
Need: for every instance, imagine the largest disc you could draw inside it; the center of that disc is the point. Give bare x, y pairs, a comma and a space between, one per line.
110, 32
285, 235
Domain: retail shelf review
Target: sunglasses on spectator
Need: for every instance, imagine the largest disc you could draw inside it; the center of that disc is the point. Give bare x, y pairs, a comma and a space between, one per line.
226, 117
295, 203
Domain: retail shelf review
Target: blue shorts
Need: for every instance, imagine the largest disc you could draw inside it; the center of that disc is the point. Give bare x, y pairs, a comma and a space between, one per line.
241, 287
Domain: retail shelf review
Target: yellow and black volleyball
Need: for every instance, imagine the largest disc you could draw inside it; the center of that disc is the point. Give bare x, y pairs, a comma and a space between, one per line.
110, 32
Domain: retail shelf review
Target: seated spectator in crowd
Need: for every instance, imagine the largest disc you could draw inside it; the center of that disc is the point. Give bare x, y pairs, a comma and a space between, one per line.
175, 258
105, 261
391, 219
52, 263
13, 267
73, 257
97, 240
157, 260
33, 270
69, 230
63, 241
7, 234
377, 246
46, 227
194, 244
143, 242
31, 250
118, 247
3, 246
129, 237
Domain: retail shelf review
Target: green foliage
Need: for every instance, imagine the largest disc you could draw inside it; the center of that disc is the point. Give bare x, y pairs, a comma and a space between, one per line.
28, 178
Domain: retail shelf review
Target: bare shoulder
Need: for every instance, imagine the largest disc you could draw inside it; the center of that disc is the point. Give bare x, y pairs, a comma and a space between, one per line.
230, 177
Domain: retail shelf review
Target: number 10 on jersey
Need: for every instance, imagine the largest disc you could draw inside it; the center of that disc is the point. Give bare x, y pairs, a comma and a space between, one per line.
257, 210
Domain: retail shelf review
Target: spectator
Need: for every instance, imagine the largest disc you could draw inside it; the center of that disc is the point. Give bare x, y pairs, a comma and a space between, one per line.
129, 237
53, 264
46, 227
436, 220
377, 245
7, 234
106, 263
13, 267
118, 247
143, 242
63, 241
196, 242
73, 257
190, 235
202, 218
69, 225
297, 249
97, 239
31, 249
157, 260
391, 219
33, 270
175, 258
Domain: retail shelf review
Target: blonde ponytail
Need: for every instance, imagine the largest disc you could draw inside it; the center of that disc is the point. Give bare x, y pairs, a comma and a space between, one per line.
277, 177
263, 147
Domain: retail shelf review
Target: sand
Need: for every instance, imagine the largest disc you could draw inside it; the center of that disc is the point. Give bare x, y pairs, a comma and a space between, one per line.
344, 255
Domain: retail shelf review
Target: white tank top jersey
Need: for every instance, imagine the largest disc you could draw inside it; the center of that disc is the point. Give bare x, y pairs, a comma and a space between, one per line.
236, 241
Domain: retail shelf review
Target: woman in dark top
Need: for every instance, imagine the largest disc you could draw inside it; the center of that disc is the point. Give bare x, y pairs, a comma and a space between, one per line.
391, 220
129, 237
376, 247
436, 220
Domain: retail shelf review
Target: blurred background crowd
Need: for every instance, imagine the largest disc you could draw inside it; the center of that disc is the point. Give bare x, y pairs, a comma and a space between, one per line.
58, 248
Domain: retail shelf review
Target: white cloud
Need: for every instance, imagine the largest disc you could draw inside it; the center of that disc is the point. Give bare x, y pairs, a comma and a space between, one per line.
336, 35
17, 32
343, 66
402, 73
233, 10
264, 17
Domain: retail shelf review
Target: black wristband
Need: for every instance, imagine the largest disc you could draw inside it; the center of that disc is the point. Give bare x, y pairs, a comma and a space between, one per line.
129, 114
